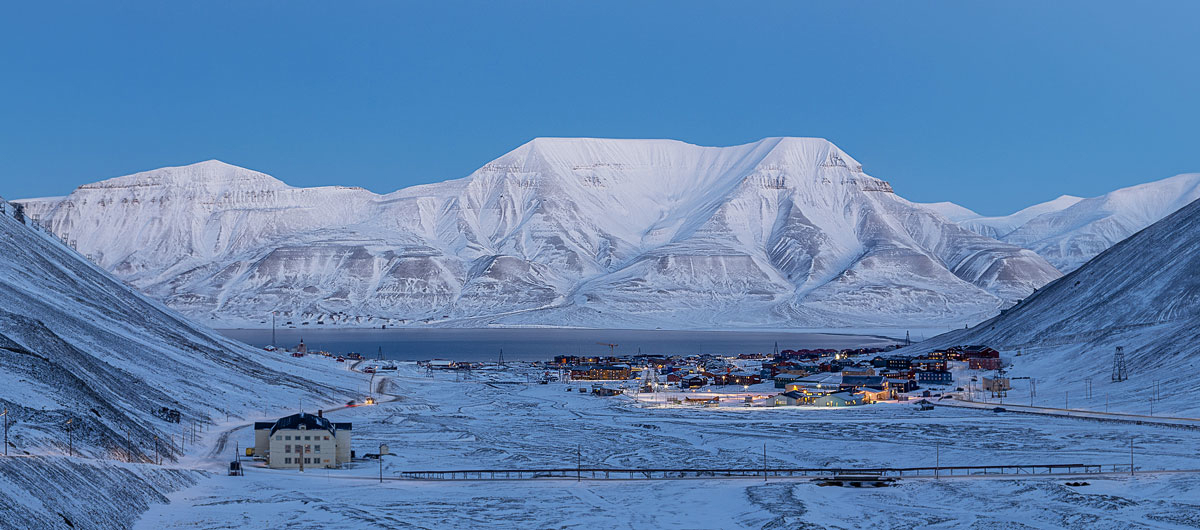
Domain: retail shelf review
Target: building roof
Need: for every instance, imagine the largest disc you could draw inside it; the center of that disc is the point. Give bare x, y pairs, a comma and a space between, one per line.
308, 421
844, 396
862, 380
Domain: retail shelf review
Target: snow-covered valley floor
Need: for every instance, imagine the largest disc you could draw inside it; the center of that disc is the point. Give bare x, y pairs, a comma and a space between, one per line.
439, 423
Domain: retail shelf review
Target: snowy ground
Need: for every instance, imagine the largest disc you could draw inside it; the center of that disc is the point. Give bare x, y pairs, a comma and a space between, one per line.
440, 423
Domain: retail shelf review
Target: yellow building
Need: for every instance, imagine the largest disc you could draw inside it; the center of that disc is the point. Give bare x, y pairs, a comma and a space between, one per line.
303, 440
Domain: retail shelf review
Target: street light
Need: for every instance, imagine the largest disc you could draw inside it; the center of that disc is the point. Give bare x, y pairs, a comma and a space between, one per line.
70, 438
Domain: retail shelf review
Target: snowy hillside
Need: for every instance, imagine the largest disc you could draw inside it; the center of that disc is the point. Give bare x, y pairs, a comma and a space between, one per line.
951, 211
76, 344
998, 227
1142, 294
577, 232
1068, 231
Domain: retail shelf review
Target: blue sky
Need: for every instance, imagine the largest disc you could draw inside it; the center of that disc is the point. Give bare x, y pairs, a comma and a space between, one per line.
993, 105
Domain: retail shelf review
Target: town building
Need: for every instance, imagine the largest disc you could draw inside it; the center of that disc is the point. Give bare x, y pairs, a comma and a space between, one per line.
601, 372
838, 399
858, 371
783, 379
979, 351
929, 365
996, 384
302, 440
901, 384
693, 381
983, 363
873, 395
791, 399
861, 381
899, 363
735, 378
935, 377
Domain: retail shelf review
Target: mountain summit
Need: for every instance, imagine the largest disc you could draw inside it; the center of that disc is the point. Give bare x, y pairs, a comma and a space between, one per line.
561, 231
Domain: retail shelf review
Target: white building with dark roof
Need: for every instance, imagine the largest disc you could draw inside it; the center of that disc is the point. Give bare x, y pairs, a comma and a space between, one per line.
303, 440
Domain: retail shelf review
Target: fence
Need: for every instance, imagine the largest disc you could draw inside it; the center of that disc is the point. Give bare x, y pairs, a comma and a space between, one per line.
729, 473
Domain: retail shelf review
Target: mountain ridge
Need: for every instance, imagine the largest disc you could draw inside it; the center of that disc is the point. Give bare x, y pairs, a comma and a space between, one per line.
643, 233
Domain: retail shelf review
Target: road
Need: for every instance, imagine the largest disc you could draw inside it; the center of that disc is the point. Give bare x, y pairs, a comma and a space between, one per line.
1074, 413
222, 441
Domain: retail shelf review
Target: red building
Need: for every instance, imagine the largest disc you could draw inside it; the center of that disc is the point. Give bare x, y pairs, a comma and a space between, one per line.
983, 363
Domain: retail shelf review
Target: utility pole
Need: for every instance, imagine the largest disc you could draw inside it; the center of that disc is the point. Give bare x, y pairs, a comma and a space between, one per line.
381, 463
157, 460
5, 414
764, 461
272, 329
1131, 456
578, 462
128, 445
70, 438
937, 460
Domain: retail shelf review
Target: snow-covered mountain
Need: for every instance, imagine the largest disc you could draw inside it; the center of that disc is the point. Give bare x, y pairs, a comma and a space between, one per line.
85, 361
580, 232
77, 344
1142, 294
951, 211
998, 227
1069, 231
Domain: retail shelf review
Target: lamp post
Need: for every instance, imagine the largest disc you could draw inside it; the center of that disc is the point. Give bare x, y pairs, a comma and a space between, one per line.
70, 438
5, 414
381, 463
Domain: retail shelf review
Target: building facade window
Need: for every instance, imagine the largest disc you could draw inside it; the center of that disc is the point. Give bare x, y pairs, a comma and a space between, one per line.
287, 460
317, 448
